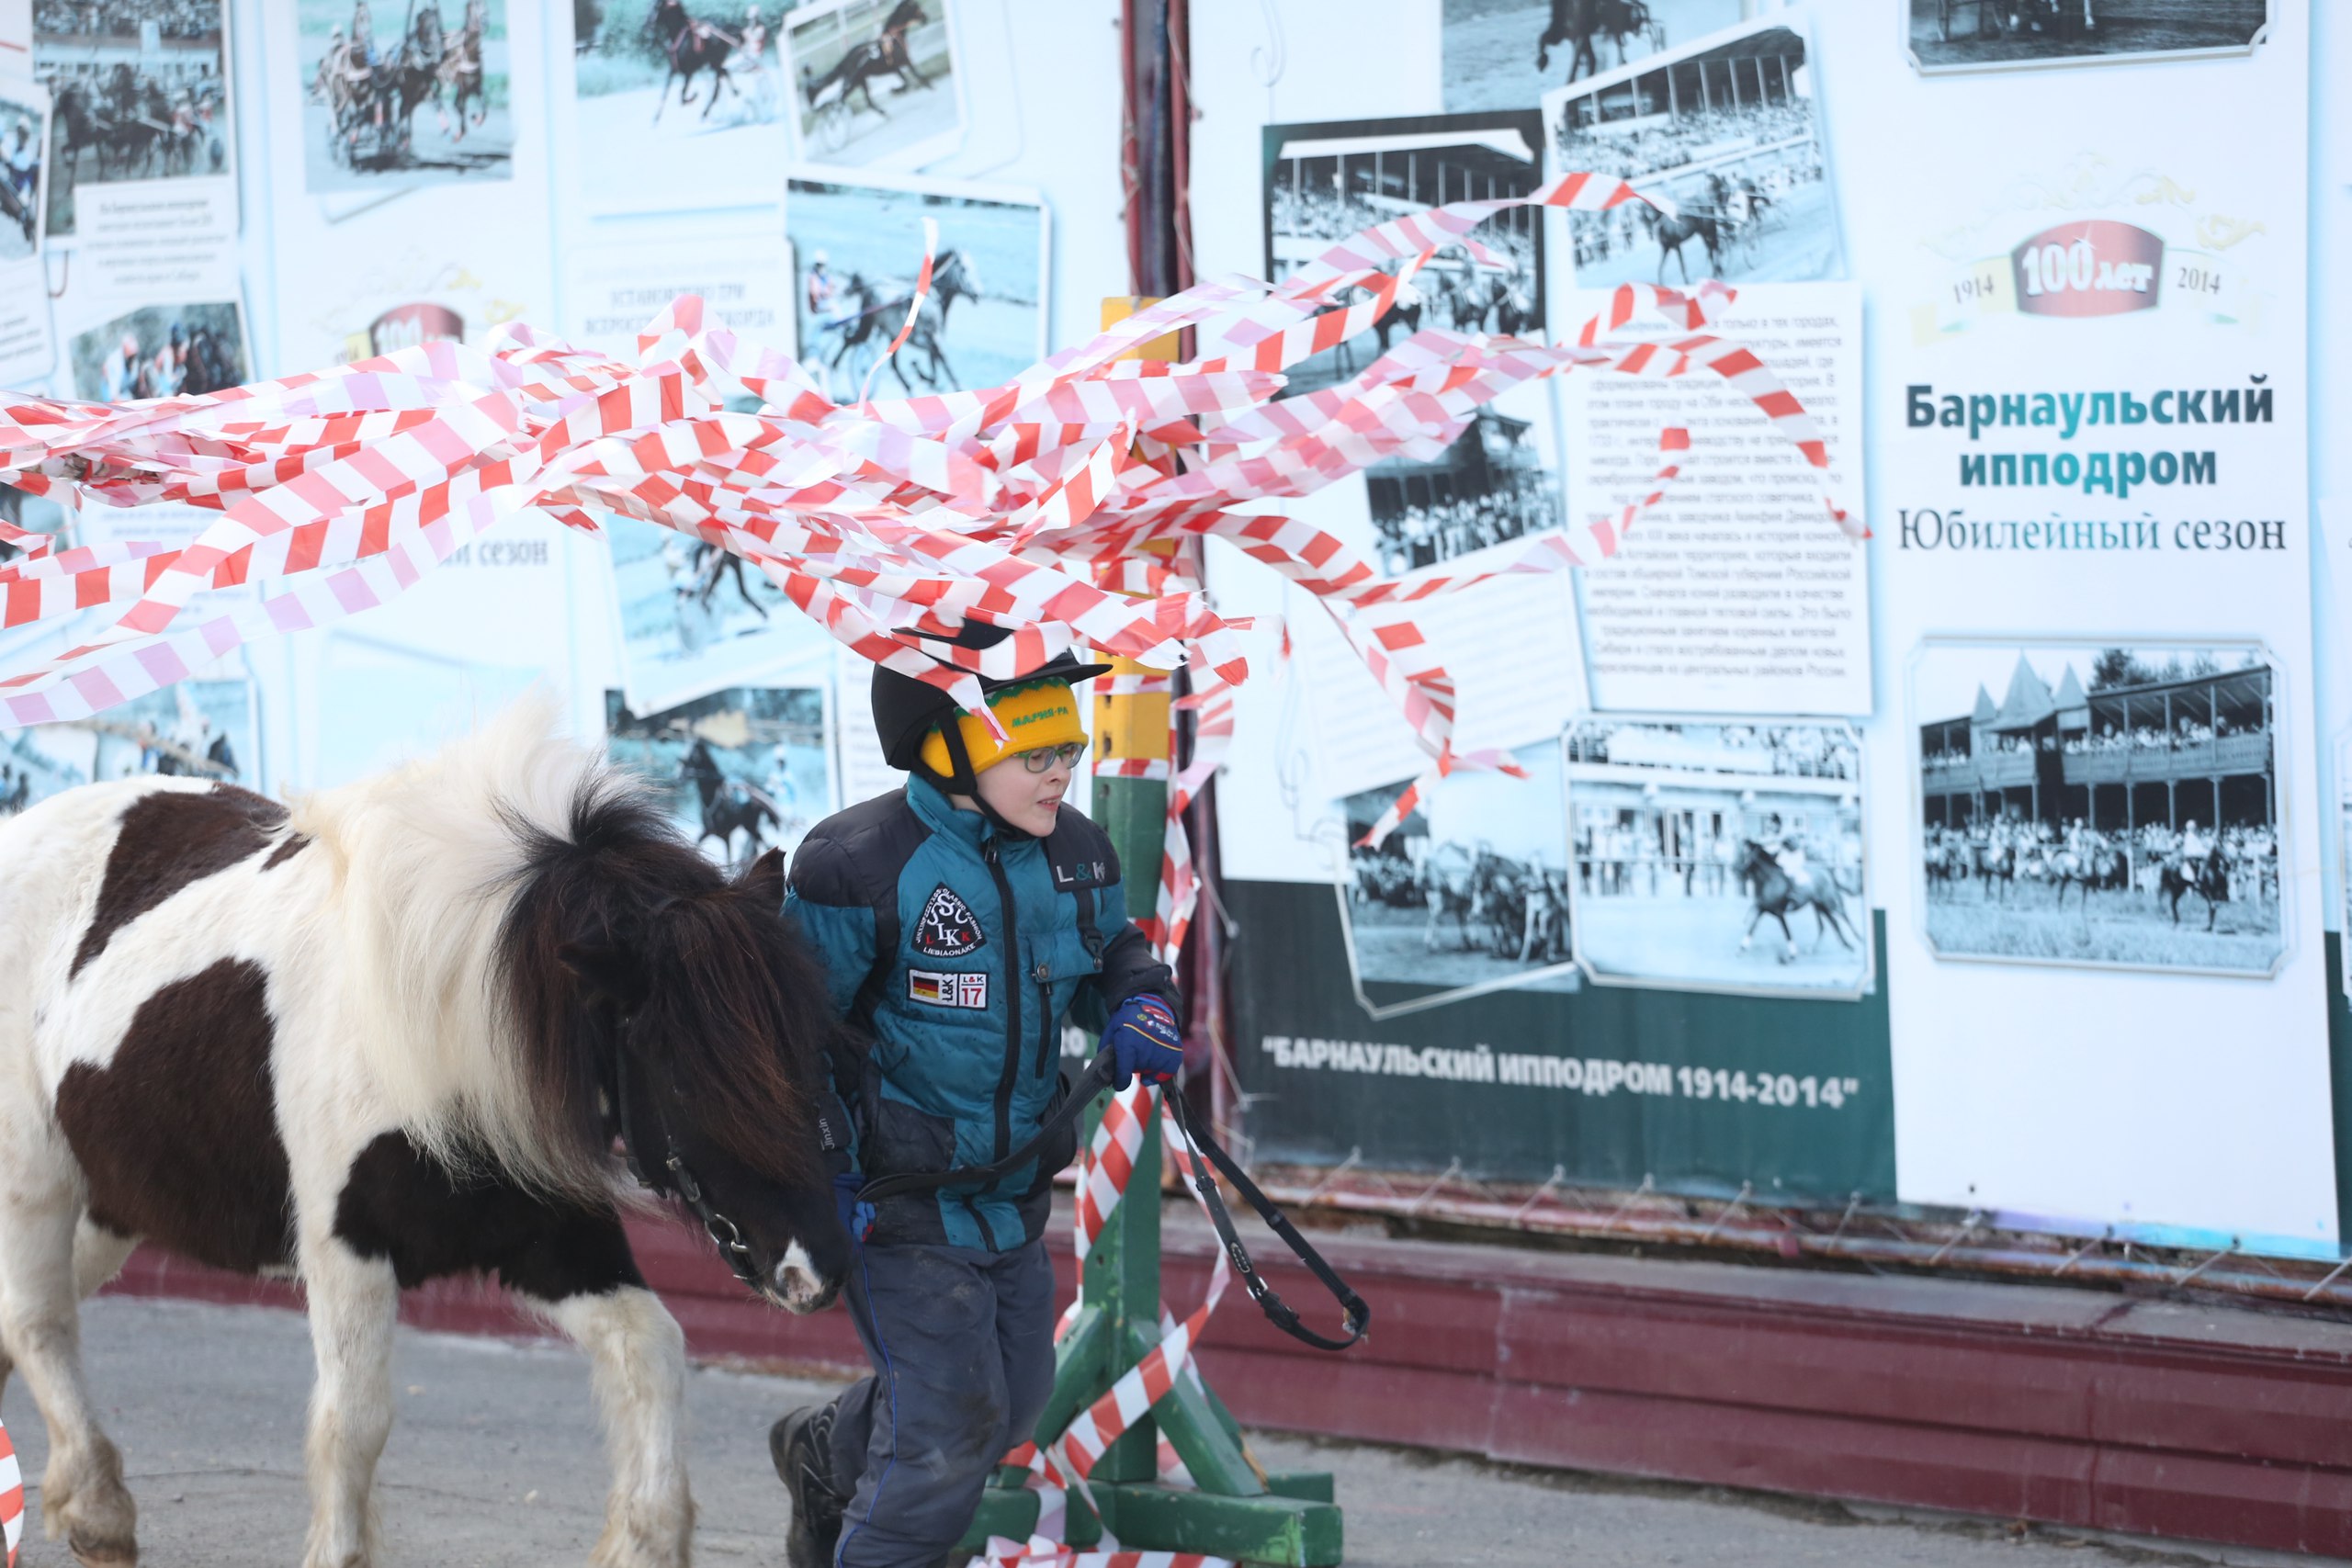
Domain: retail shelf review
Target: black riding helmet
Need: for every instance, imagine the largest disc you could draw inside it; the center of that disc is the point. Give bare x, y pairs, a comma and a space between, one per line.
906, 709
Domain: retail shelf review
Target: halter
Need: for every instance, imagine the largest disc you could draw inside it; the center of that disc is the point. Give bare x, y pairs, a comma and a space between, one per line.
676, 1176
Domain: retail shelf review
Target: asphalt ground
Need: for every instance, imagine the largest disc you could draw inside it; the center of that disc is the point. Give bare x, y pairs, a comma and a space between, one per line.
495, 1461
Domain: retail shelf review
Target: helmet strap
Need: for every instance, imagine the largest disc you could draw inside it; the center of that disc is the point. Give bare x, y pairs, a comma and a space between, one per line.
966, 780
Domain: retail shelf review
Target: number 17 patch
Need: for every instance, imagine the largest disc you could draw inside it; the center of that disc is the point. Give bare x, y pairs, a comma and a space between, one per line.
950, 990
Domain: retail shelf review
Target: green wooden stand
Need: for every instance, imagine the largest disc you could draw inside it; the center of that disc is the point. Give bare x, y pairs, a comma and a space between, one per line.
1239, 1510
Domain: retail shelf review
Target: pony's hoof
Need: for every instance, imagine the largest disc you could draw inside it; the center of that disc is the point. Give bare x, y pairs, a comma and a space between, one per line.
94, 1550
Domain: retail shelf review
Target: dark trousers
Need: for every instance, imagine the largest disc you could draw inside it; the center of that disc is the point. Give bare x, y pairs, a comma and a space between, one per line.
962, 1343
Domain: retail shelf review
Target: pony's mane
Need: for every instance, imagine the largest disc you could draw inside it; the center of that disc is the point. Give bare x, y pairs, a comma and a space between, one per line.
462, 876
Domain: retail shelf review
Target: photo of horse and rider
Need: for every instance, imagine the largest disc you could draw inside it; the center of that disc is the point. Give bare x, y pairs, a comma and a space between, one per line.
1469, 895
678, 103
1721, 855
1977, 35
842, 52
368, 80
743, 770
858, 247
138, 91
1324, 181
1506, 55
161, 351
1725, 136
2111, 806
24, 142
695, 618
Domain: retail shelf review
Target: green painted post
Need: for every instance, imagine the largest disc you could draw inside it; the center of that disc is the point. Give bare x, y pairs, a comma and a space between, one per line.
1238, 1511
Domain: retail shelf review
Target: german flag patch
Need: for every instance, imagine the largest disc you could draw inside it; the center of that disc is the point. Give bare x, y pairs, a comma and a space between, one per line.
948, 990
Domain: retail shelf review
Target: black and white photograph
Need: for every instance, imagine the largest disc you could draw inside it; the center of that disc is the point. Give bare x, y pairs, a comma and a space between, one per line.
678, 103
858, 245
695, 619
421, 97
1725, 136
138, 91
23, 141
161, 351
1719, 854
1470, 893
873, 82
201, 728
1983, 35
1489, 487
2101, 804
744, 770
1325, 181
1506, 55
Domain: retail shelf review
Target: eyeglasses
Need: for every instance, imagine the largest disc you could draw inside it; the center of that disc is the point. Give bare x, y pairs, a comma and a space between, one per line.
1065, 754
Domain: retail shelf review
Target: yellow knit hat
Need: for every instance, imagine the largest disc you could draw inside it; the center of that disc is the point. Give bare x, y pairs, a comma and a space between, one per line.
1034, 714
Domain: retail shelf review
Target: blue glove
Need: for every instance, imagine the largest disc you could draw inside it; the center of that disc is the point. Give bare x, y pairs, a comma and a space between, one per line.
1143, 1037
856, 1218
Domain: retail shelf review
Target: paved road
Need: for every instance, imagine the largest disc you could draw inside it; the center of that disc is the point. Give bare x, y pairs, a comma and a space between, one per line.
497, 1463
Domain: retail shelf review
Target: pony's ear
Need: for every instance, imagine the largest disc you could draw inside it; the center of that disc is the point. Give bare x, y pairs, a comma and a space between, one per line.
763, 879
614, 974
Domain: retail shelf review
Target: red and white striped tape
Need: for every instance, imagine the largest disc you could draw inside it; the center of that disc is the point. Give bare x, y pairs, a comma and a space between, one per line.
12, 1496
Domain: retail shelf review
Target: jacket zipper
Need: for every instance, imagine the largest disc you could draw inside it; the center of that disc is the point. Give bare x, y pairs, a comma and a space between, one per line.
1011, 1074
1043, 977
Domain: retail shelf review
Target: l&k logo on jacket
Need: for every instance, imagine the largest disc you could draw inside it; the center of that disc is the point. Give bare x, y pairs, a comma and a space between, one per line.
948, 927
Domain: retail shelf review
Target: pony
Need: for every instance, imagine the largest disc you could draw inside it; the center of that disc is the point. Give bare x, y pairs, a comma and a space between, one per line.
389, 1035
2094, 868
1774, 892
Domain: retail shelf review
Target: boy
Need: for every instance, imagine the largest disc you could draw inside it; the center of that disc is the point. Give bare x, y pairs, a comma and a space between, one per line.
957, 921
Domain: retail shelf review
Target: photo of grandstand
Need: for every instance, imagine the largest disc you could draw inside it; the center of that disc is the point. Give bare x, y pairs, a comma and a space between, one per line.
1324, 181
1725, 136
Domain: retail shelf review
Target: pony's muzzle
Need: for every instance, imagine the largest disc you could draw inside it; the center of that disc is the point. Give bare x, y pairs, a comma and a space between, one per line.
799, 1288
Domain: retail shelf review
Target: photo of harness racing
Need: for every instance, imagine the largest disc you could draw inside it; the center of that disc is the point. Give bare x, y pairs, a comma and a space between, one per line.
859, 250
744, 770
138, 91
677, 103
842, 52
1725, 136
1721, 855
1976, 34
695, 618
368, 87
1503, 54
1324, 181
1469, 895
2114, 806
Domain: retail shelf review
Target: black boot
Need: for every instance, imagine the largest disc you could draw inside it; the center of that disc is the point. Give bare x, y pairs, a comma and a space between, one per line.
802, 1447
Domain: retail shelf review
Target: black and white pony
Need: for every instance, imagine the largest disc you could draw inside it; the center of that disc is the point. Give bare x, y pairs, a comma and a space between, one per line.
388, 1035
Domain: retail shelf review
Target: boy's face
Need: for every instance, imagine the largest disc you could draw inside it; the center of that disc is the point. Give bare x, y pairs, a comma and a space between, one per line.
1029, 801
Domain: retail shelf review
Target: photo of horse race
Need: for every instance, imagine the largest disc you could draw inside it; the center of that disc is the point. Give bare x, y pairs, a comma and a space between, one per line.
24, 139
1470, 893
1976, 34
1505, 53
679, 102
1724, 135
138, 91
2110, 805
874, 81
743, 770
859, 249
160, 352
1323, 182
369, 84
1720, 855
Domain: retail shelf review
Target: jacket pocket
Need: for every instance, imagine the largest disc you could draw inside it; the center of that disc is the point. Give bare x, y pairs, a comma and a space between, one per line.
903, 1139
